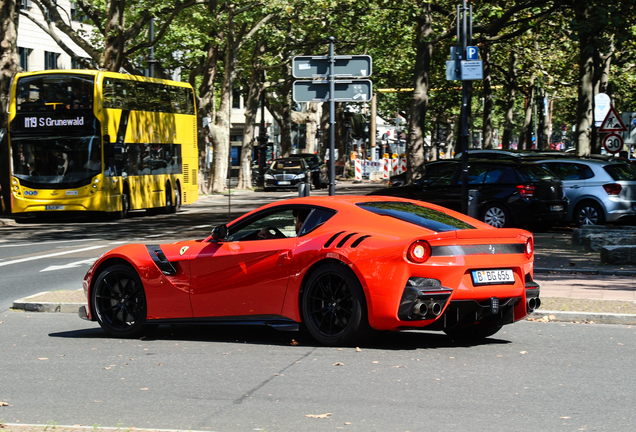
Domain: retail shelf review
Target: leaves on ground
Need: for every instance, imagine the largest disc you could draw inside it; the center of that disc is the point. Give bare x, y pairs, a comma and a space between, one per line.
318, 415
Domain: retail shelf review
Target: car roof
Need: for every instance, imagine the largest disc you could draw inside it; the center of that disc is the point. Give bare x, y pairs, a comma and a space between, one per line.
590, 161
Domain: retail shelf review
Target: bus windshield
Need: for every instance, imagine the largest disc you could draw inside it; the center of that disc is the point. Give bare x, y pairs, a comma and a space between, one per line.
57, 162
54, 92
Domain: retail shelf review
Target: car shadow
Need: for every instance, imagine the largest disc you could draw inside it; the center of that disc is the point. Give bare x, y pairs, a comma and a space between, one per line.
263, 335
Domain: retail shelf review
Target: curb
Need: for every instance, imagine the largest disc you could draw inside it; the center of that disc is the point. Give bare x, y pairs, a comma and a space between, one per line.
583, 317
586, 271
29, 306
7, 222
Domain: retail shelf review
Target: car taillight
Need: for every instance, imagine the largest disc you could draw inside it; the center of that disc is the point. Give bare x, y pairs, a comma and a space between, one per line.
526, 191
419, 252
529, 248
613, 188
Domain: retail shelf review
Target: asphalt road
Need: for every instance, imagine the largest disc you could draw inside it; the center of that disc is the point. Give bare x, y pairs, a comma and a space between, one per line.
531, 376
58, 369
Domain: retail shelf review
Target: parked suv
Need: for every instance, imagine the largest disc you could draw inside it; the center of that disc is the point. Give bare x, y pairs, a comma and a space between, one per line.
599, 190
319, 177
510, 193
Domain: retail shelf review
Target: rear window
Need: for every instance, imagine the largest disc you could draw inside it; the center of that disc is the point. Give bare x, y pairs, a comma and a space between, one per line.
621, 171
424, 217
535, 173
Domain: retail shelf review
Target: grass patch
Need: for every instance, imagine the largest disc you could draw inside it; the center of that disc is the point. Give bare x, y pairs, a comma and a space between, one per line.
587, 305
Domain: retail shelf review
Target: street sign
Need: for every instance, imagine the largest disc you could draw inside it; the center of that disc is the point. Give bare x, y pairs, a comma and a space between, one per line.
353, 66
629, 120
472, 70
345, 91
612, 122
472, 53
602, 104
613, 143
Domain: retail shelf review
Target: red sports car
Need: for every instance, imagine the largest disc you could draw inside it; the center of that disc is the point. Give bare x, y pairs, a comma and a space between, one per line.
341, 266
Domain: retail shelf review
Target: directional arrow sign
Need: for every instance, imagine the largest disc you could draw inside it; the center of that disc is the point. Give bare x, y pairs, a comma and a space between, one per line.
354, 66
345, 91
69, 265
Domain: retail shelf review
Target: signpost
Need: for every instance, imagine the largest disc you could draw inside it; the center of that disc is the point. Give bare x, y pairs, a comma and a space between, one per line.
464, 65
613, 142
323, 87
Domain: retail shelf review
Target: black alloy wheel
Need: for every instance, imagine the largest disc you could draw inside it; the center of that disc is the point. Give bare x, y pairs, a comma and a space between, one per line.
475, 332
119, 301
589, 213
333, 306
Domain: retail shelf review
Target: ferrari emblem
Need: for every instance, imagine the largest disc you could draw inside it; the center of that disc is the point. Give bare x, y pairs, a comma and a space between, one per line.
183, 250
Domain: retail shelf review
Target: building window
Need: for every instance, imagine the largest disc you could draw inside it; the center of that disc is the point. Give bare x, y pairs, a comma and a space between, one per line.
50, 60
77, 14
48, 14
25, 4
24, 58
236, 99
77, 65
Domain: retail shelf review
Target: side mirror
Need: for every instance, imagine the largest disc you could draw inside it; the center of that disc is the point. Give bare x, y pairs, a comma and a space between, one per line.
219, 233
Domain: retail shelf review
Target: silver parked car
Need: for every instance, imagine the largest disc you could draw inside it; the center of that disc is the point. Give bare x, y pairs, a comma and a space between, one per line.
599, 190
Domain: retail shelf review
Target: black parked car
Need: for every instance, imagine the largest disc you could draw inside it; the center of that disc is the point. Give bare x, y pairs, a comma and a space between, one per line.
319, 177
511, 193
287, 173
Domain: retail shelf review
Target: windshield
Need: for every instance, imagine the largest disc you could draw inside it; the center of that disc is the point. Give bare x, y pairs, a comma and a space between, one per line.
286, 164
56, 162
54, 92
425, 217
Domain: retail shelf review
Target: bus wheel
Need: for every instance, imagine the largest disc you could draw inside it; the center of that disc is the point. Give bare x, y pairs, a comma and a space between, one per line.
176, 200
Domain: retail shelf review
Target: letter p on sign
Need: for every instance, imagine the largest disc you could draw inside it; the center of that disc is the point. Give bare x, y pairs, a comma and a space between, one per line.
472, 53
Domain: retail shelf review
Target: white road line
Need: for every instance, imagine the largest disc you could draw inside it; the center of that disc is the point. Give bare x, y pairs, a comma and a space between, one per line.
49, 242
69, 265
34, 258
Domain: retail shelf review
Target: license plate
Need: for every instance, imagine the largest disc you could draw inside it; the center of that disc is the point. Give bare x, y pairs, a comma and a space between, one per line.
58, 207
283, 183
556, 208
490, 277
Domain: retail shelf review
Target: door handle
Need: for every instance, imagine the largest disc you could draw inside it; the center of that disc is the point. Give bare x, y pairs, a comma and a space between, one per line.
286, 255
575, 187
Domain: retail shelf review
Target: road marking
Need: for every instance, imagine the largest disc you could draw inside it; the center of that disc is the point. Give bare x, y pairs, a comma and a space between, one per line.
69, 265
34, 258
49, 242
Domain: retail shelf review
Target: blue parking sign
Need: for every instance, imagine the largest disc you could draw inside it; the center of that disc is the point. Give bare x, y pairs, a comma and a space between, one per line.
472, 53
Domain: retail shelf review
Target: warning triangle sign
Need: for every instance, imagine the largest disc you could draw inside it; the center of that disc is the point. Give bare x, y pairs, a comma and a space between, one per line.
612, 122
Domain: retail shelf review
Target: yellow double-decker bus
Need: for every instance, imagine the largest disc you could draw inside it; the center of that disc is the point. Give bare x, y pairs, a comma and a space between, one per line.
100, 141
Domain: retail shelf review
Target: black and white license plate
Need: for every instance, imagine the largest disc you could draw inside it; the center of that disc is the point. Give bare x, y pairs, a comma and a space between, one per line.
556, 208
282, 183
55, 207
490, 277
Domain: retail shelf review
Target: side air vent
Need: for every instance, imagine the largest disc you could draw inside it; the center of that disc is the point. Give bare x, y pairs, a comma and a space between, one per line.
360, 239
344, 240
186, 173
331, 240
160, 260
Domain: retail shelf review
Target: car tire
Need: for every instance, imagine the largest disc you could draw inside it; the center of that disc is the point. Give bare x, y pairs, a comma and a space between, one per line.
473, 332
589, 213
496, 215
176, 200
119, 302
333, 306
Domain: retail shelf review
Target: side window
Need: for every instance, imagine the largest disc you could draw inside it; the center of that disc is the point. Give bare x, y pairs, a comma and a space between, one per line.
440, 175
476, 174
493, 175
314, 220
586, 171
281, 224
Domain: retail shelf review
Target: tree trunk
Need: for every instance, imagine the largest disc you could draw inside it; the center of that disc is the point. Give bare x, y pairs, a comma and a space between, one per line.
488, 104
510, 103
9, 64
525, 141
251, 110
419, 104
585, 106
